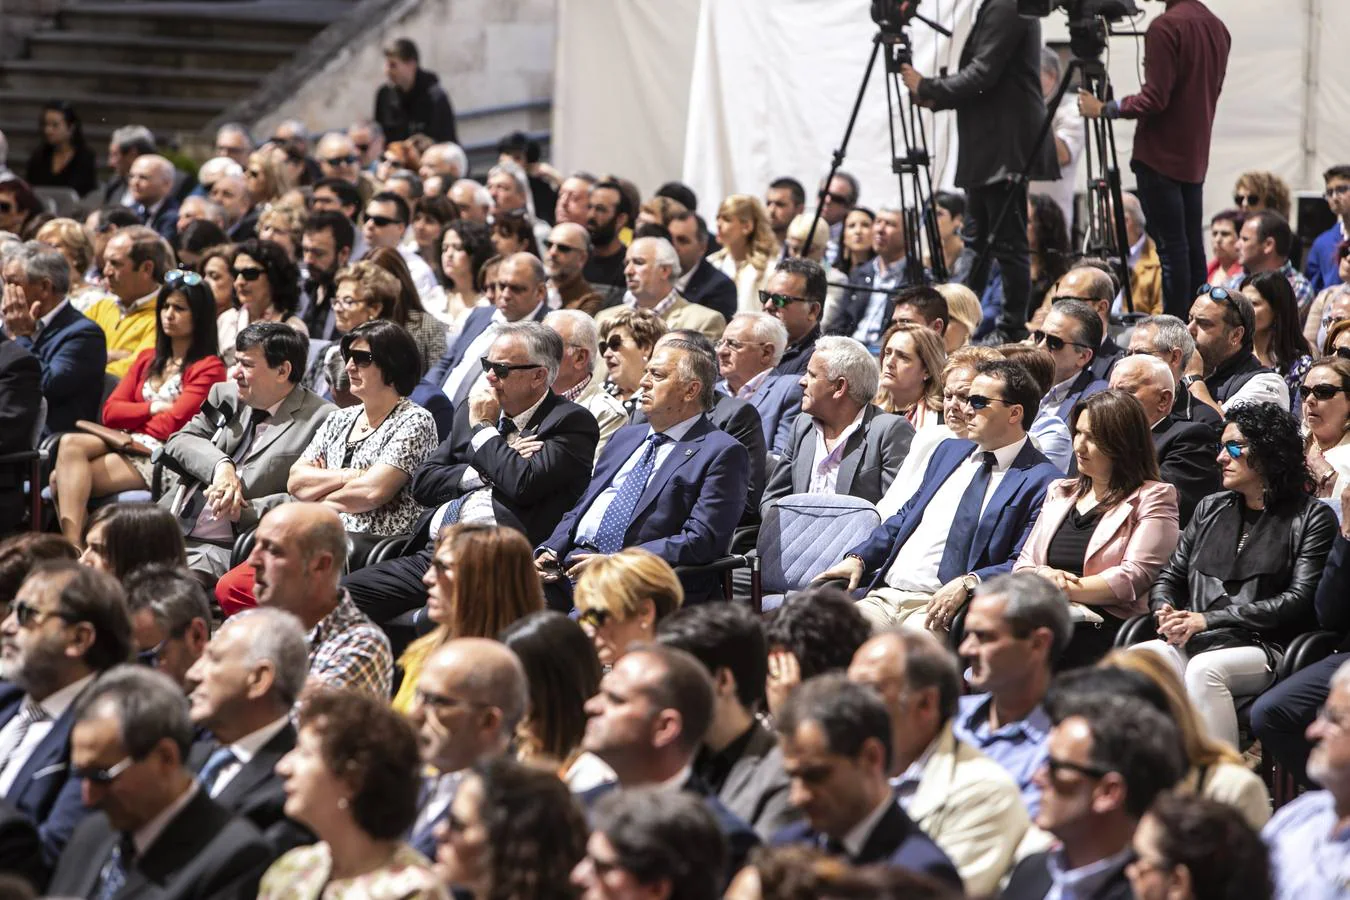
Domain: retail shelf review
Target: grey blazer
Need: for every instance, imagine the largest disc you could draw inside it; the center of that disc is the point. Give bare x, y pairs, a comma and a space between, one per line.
756, 788
265, 467
872, 456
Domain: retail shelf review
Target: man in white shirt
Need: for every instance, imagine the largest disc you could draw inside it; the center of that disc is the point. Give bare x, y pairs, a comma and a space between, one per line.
578, 379
387, 218
67, 625
242, 690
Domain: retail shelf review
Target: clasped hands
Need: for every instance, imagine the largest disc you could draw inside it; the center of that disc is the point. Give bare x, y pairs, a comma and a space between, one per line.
1178, 626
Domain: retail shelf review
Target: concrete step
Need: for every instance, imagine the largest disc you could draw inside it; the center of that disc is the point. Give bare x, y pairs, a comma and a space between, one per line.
115, 110
274, 20
60, 79
169, 52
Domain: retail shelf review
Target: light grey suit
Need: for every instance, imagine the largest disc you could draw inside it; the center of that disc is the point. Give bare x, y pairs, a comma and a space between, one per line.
263, 471
872, 455
756, 788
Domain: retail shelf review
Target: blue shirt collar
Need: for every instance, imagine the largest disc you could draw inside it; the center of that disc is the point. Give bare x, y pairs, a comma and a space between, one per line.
1084, 881
1034, 727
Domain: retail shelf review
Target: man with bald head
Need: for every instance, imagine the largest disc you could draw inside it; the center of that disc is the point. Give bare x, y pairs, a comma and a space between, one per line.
151, 186
1185, 448
651, 269
471, 694
230, 193
565, 254
1091, 285
339, 158
299, 553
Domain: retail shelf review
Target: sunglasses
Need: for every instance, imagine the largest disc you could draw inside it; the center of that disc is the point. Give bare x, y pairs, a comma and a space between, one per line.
359, 358
382, 221
103, 776
504, 370
1055, 766
977, 401
249, 273
1320, 391
832, 197
29, 615
1246, 199
779, 300
1234, 448
595, 617
614, 344
175, 277
343, 160
1055, 344
561, 248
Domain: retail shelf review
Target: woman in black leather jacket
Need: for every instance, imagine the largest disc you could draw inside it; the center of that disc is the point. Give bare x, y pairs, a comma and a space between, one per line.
1240, 585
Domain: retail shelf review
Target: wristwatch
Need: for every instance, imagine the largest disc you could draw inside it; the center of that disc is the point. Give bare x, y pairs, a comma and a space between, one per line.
970, 581
1188, 380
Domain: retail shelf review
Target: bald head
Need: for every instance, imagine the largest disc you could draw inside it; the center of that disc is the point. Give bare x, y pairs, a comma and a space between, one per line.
1150, 381
471, 695
150, 179
1085, 283
299, 553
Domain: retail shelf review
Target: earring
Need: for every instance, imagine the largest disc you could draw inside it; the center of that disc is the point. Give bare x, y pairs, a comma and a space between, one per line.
342, 803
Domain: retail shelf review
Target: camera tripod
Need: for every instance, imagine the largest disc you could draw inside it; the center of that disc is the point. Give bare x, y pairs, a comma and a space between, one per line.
911, 169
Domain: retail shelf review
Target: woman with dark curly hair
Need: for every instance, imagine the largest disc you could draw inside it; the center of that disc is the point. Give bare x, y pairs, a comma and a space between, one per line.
1240, 585
1278, 343
267, 289
513, 232
516, 835
466, 247
1048, 235
1191, 848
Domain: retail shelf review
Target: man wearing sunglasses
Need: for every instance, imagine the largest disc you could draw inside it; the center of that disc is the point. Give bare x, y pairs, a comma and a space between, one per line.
795, 295
67, 625
386, 221
1072, 333
338, 158
152, 824
1322, 268
1264, 244
1097, 288
1225, 370
565, 254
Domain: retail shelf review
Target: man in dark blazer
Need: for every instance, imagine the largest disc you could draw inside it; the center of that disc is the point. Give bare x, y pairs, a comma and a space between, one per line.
1113, 755
1071, 333
839, 427
836, 740
20, 405
199, 852
1168, 338
523, 297
229, 465
151, 183
47, 665
518, 455
71, 348
241, 692
795, 295
670, 686
968, 519
996, 93
701, 283
1097, 288
689, 489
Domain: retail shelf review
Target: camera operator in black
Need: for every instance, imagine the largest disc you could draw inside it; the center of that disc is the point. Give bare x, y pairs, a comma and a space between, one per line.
999, 110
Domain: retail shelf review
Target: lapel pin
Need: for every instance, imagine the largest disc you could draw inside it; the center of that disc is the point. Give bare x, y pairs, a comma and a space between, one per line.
689, 452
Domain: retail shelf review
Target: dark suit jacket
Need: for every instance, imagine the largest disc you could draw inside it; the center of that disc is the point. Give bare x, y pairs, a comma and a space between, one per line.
530, 495
690, 506
1030, 880
1186, 453
1189, 409
895, 841
44, 790
851, 308
20, 850
1008, 517
204, 853
246, 227
756, 787
165, 222
255, 792
711, 288
872, 456
996, 93
20, 403
74, 352
1085, 385
778, 401
1105, 359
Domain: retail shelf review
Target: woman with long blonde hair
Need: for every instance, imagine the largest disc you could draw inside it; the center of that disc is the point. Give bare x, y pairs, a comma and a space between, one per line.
748, 248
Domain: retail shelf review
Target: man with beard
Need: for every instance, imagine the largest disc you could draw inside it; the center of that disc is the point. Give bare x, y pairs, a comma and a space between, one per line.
607, 213
327, 246
1226, 371
67, 626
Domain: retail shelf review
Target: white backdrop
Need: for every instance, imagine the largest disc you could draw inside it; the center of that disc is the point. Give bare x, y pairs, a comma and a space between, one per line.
732, 93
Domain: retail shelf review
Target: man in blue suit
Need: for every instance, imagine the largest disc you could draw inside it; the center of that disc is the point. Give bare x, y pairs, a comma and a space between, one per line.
71, 348
522, 292
836, 740
675, 486
970, 516
1072, 332
151, 186
750, 348
68, 625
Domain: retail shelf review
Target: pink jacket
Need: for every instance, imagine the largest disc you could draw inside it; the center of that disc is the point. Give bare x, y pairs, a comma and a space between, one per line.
1128, 548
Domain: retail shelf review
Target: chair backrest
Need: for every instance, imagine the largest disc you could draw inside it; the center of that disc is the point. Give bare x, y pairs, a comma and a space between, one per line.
109, 385
39, 424
60, 201
804, 534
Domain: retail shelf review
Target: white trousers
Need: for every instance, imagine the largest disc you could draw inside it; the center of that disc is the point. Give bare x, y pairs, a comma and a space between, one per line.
1213, 678
887, 608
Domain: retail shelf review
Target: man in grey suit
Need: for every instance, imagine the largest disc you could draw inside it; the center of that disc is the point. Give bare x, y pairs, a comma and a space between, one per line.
841, 443
230, 463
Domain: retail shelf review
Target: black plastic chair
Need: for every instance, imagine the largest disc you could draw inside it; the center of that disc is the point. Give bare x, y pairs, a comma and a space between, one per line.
31, 460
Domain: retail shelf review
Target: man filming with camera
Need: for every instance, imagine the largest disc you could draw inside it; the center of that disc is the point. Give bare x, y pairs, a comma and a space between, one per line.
1185, 58
999, 110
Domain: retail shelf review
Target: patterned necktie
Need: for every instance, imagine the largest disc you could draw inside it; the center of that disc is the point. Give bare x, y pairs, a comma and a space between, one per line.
113, 876
215, 764
619, 515
29, 715
965, 522
506, 427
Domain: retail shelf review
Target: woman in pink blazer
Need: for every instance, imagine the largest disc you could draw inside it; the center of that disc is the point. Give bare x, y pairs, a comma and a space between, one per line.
1104, 536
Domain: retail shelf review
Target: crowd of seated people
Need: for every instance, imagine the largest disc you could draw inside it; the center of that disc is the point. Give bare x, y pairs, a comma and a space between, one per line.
398, 534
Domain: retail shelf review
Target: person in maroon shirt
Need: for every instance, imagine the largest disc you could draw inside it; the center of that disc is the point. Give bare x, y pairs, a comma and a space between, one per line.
1185, 58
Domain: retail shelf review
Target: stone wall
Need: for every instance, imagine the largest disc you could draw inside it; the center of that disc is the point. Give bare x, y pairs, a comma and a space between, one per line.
19, 19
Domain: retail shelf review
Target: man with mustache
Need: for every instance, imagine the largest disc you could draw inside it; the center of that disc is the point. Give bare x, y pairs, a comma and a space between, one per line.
607, 213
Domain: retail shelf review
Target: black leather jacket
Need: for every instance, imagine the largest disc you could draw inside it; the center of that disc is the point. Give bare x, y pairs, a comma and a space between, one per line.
1269, 607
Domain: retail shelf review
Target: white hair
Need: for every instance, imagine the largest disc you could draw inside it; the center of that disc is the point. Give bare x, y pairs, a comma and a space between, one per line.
218, 167
454, 156
481, 197
848, 359
277, 637
1134, 210
766, 329
665, 254
507, 167
583, 332
1340, 679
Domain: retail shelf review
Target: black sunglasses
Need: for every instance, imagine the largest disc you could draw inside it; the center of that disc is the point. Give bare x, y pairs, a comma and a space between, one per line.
562, 248
248, 273
779, 300
359, 358
1054, 344
504, 370
977, 401
175, 277
382, 221
614, 344
6, 207
1246, 199
343, 160
1062, 765
102, 776
1320, 391
28, 615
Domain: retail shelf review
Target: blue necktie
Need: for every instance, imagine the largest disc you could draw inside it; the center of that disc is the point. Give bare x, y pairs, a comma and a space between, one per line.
614, 523
113, 876
965, 522
215, 764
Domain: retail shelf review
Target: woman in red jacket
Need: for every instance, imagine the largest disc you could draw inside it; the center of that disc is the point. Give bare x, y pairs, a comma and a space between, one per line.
159, 395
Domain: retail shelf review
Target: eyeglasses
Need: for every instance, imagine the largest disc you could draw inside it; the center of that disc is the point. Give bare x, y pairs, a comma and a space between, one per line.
779, 300
503, 370
561, 248
347, 303
103, 776
249, 273
594, 617
382, 221
1141, 352
1234, 448
29, 615
360, 358
363, 149
1055, 344
1055, 766
1320, 391
977, 401
832, 197
343, 160
1336, 190
736, 346
175, 277
1246, 199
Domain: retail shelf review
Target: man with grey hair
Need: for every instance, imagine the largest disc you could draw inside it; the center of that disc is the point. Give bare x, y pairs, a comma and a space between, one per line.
650, 271
1167, 338
152, 822
71, 348
230, 193
299, 553
841, 443
578, 379
242, 690
675, 486
518, 455
1185, 448
509, 187
1069, 137
126, 144
473, 200
150, 181
566, 250
445, 161
1146, 294
170, 618
234, 142
750, 347
864, 312
197, 207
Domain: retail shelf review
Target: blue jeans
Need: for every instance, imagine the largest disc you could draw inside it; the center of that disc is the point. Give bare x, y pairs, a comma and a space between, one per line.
1281, 715
1176, 222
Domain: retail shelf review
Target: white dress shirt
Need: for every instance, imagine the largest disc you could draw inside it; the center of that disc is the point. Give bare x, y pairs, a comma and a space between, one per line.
55, 705
245, 749
825, 462
428, 286
477, 506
